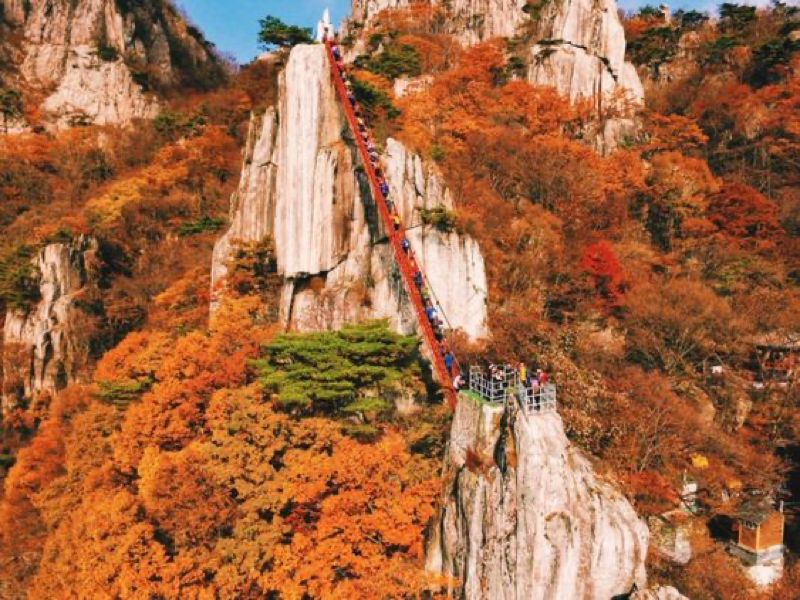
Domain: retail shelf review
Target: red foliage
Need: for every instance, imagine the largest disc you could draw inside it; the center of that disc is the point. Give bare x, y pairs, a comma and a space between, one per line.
602, 265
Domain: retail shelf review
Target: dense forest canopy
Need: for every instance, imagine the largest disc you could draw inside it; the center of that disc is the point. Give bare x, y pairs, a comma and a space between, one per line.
215, 455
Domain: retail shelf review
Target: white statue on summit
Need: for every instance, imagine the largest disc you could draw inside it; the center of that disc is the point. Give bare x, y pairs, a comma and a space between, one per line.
324, 27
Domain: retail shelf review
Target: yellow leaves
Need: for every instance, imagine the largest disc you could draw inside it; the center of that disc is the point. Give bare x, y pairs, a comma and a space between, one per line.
106, 208
189, 162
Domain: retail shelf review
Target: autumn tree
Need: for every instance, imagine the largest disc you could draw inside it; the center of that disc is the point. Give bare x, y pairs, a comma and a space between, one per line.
745, 216
275, 32
674, 327
602, 266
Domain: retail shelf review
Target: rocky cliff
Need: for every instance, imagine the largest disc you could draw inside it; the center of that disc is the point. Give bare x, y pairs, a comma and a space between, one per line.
97, 61
44, 348
539, 525
576, 46
472, 21
302, 185
580, 50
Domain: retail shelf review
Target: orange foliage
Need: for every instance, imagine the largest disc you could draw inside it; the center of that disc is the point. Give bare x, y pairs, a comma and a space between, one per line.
171, 415
745, 216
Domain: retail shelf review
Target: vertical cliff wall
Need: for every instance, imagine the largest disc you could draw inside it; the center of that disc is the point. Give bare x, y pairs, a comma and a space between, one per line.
580, 50
96, 61
575, 46
541, 525
302, 186
44, 347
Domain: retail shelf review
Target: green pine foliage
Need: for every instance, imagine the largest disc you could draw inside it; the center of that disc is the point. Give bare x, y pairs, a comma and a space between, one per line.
19, 278
202, 225
338, 373
655, 47
440, 217
373, 100
276, 33
396, 60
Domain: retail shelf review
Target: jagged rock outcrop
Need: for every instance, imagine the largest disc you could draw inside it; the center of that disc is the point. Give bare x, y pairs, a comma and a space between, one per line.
575, 46
659, 593
301, 185
45, 347
580, 50
541, 525
96, 61
472, 21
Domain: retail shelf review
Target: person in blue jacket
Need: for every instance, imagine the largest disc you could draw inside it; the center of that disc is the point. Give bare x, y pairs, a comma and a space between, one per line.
449, 360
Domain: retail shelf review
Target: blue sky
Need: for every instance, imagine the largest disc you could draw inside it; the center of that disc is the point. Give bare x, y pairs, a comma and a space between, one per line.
233, 24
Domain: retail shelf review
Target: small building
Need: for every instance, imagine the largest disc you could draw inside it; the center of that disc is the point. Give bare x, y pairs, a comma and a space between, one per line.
759, 536
776, 359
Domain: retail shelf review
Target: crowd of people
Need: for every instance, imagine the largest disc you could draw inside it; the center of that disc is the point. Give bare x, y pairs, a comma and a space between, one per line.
432, 312
532, 379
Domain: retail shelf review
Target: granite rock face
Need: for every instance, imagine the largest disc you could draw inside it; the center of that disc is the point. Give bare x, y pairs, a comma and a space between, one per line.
580, 50
525, 517
659, 593
100, 61
472, 21
302, 186
575, 46
44, 348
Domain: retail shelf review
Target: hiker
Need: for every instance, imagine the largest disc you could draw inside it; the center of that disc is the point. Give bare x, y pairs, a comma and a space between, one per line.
458, 382
431, 312
352, 98
396, 221
543, 377
384, 188
336, 54
418, 280
523, 372
438, 332
426, 295
389, 205
449, 361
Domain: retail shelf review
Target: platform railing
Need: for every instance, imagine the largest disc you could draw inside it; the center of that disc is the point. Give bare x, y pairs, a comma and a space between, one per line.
496, 387
539, 398
504, 384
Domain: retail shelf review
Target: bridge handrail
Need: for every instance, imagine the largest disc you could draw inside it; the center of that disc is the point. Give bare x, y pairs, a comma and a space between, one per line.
395, 234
